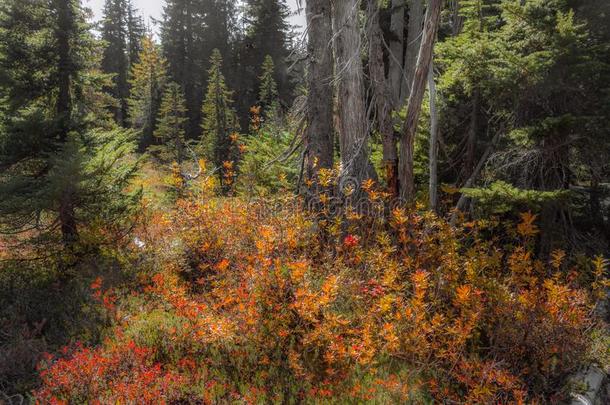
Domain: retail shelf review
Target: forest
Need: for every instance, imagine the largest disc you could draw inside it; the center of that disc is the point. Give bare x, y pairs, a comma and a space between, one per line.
399, 202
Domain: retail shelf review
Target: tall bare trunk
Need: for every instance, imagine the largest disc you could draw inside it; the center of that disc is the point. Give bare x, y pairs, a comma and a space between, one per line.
65, 28
414, 39
355, 164
319, 133
406, 173
382, 94
397, 51
433, 149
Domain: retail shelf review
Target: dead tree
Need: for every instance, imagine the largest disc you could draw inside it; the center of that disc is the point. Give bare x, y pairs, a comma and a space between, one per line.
396, 75
418, 87
319, 132
433, 148
382, 96
349, 76
414, 39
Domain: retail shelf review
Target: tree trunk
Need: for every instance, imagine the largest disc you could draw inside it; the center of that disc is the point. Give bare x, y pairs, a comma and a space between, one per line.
65, 68
319, 133
461, 205
457, 21
414, 39
471, 146
397, 51
407, 175
595, 205
433, 150
355, 164
67, 219
382, 97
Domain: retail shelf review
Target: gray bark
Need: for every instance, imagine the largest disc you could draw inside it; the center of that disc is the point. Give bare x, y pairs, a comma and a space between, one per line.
406, 173
319, 132
382, 96
414, 39
397, 52
353, 122
433, 150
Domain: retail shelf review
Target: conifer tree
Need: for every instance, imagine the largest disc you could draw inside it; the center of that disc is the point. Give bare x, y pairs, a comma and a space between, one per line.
219, 141
507, 75
268, 95
219, 28
182, 43
172, 123
136, 31
148, 79
266, 33
116, 59
59, 151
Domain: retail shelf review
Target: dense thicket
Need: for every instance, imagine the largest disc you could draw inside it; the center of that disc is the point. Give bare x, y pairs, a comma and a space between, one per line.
407, 202
58, 148
191, 30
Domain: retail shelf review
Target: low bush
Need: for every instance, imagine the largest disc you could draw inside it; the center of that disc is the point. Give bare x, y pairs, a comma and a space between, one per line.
259, 303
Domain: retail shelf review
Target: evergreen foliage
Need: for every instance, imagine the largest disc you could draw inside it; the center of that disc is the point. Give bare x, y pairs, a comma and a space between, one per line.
148, 80
266, 34
511, 71
171, 126
62, 160
136, 31
268, 94
220, 125
501, 197
115, 59
266, 169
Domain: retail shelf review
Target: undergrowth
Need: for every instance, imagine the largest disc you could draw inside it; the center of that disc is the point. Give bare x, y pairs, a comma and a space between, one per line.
264, 302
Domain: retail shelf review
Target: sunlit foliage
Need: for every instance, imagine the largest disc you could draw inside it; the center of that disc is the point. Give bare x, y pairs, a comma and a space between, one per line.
248, 302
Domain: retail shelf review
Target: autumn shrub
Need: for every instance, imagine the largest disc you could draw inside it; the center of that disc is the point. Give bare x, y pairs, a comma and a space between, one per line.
259, 302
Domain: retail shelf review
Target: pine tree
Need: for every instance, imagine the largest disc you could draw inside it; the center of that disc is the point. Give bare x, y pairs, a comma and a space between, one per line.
116, 58
508, 74
136, 31
267, 29
267, 34
171, 124
268, 95
182, 43
219, 141
219, 27
62, 163
148, 79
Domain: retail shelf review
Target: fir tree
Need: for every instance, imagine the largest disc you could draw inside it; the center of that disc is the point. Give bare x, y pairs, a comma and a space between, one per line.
148, 78
171, 124
182, 43
508, 73
116, 58
220, 125
59, 153
268, 95
267, 29
136, 31
266, 34
219, 27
